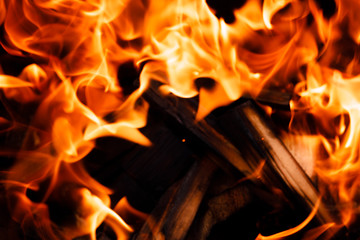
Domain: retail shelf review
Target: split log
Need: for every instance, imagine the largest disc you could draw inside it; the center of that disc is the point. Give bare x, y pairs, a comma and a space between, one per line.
219, 208
255, 140
183, 111
274, 99
280, 164
173, 216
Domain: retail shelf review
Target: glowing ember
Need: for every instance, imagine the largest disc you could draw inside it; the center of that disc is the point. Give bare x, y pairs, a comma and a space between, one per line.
72, 95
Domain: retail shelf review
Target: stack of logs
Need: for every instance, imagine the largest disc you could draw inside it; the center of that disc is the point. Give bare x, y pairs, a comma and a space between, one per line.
199, 174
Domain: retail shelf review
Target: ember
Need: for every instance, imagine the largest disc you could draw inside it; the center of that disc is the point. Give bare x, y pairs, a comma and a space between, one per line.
150, 119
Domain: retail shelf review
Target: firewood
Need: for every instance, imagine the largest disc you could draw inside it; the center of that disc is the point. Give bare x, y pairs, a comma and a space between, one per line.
274, 99
281, 169
219, 208
183, 111
173, 216
249, 130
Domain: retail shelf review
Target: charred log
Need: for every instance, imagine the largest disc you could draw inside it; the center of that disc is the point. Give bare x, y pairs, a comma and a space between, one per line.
242, 136
173, 216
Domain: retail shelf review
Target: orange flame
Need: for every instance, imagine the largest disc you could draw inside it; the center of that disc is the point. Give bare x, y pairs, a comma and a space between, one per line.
329, 97
71, 88
291, 231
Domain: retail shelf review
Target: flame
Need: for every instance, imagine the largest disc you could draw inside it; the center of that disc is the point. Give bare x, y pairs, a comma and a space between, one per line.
328, 92
291, 231
72, 95
70, 90
332, 102
128, 212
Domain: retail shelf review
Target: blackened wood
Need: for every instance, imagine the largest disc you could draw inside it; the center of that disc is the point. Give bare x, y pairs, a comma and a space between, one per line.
274, 99
184, 113
219, 208
255, 141
173, 216
280, 164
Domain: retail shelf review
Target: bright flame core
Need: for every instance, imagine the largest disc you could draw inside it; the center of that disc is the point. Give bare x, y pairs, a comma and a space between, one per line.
72, 86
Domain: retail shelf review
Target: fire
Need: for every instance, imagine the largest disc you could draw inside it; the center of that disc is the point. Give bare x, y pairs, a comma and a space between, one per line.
72, 93
291, 231
71, 88
335, 106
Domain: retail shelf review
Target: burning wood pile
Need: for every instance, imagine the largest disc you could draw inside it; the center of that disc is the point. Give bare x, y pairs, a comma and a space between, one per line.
185, 119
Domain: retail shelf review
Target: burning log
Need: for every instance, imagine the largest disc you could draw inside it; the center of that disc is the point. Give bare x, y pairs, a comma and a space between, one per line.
183, 112
275, 99
173, 216
253, 141
279, 160
221, 207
